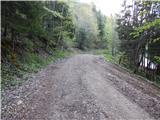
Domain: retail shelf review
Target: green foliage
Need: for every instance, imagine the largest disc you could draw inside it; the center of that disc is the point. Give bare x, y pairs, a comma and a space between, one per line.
157, 59
108, 57
22, 16
146, 26
86, 26
82, 41
112, 35
54, 13
101, 43
103, 52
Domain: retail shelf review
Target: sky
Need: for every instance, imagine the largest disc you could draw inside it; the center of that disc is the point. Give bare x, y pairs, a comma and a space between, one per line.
107, 7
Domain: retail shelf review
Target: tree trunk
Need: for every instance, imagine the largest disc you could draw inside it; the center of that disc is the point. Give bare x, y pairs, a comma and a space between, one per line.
60, 34
12, 39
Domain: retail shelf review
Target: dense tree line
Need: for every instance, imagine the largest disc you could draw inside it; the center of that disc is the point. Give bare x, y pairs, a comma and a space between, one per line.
36, 19
139, 30
89, 26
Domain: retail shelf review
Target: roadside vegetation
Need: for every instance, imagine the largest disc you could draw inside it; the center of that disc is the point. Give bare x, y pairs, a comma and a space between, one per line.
138, 30
34, 34
28, 36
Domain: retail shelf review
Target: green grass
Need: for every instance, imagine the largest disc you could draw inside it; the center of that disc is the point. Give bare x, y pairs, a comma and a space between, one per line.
107, 56
29, 63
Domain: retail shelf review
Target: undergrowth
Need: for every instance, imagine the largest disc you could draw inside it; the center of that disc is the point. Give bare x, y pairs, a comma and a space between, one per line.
15, 74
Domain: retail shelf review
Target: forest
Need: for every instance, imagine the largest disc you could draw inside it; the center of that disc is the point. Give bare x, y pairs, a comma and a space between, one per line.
34, 34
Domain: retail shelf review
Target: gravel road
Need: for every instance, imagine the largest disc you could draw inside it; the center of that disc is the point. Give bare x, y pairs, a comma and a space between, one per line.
83, 87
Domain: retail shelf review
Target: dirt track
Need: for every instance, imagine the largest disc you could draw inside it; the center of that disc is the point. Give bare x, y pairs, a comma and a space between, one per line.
83, 87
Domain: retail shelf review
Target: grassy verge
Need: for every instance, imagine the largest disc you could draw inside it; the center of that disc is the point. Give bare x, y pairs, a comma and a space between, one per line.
15, 74
115, 60
103, 52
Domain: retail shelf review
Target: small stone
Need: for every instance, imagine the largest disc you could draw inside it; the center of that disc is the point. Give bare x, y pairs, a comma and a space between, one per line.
19, 102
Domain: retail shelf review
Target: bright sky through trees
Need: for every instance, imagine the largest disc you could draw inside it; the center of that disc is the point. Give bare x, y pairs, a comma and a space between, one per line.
107, 7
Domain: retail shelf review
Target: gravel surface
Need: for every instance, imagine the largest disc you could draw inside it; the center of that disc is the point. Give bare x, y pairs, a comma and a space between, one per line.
83, 87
